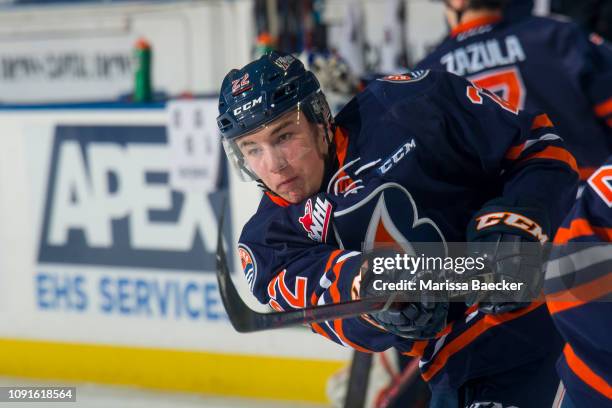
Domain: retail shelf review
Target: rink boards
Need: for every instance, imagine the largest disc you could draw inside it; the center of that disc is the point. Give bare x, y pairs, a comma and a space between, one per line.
107, 262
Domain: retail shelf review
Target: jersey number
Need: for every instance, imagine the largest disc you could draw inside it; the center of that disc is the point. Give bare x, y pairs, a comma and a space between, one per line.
295, 299
601, 182
505, 82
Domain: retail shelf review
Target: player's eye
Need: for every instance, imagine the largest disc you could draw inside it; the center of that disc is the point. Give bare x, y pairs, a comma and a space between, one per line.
253, 151
284, 137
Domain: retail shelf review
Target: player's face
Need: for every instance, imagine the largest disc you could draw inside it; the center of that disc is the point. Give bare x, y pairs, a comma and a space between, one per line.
287, 155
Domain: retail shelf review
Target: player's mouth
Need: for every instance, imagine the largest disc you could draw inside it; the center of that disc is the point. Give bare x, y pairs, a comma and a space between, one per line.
287, 183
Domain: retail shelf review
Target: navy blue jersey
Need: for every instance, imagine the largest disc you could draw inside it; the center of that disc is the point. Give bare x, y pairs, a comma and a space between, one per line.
579, 292
540, 63
416, 156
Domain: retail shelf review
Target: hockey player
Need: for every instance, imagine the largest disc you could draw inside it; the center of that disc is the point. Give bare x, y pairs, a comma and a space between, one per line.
419, 157
535, 63
579, 292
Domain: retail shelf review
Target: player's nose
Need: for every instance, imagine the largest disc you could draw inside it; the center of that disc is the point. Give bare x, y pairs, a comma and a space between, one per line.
276, 161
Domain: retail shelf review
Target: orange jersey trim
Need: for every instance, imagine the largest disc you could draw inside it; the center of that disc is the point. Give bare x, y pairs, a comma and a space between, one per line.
278, 200
335, 295
340, 333
341, 141
577, 296
604, 108
317, 328
514, 152
555, 153
417, 350
580, 227
313, 298
586, 172
461, 28
467, 337
541, 121
584, 372
333, 289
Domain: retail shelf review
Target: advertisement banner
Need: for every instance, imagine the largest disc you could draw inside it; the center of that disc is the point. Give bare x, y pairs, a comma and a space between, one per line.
107, 270
66, 69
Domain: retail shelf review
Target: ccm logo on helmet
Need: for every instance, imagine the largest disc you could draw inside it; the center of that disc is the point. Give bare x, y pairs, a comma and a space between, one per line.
248, 105
512, 220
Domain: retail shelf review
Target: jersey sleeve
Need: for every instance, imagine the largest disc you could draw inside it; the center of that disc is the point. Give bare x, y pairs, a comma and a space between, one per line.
578, 291
521, 155
289, 269
595, 74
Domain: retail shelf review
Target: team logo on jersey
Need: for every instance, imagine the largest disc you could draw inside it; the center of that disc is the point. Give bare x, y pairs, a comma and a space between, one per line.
249, 266
241, 84
386, 216
412, 76
316, 219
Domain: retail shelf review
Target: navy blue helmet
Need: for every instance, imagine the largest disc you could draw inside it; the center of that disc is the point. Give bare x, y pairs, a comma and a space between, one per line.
262, 91
265, 89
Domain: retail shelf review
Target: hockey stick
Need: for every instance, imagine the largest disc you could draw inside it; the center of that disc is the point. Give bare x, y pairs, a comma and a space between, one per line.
358, 380
246, 320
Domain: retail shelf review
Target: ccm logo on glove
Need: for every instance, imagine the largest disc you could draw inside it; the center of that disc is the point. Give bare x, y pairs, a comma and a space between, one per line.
512, 220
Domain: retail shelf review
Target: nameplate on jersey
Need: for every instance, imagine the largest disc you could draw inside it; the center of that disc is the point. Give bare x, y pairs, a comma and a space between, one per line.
483, 55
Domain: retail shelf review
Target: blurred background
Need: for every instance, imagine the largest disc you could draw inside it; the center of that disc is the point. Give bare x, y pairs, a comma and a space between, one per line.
112, 181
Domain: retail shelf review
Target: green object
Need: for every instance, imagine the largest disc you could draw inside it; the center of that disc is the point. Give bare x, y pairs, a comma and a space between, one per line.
143, 89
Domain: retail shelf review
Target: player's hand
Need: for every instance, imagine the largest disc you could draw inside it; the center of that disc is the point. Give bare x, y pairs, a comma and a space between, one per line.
509, 258
509, 234
420, 319
416, 321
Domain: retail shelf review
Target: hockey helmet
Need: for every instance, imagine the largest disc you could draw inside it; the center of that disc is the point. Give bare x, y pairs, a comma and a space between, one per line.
262, 91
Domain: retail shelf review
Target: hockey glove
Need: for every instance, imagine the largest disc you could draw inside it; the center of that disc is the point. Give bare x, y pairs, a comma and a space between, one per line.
419, 319
511, 242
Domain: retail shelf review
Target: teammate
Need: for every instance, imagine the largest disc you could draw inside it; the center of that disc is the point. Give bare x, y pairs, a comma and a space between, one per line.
420, 157
579, 292
535, 63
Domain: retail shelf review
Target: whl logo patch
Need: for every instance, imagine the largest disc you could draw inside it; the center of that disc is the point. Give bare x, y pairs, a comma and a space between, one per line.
316, 219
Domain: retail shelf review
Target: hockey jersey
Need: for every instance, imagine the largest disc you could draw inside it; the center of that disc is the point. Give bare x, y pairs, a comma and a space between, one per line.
540, 63
579, 291
415, 156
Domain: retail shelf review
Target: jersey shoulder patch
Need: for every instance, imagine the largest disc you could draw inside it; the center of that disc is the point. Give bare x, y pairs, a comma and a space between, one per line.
412, 76
248, 263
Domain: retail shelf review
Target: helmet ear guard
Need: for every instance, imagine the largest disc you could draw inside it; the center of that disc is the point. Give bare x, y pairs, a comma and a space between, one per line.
317, 111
